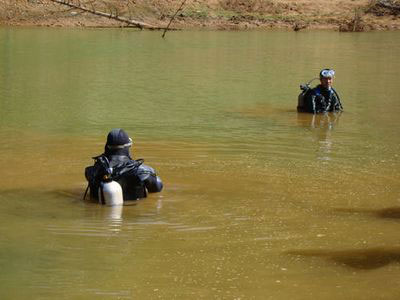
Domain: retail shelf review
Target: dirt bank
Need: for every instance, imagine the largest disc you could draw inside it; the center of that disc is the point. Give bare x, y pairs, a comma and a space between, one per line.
345, 15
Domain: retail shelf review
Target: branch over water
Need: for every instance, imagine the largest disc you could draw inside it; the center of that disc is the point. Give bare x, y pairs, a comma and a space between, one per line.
134, 23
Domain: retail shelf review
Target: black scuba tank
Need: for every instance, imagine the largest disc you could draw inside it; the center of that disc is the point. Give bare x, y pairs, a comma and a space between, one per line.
305, 88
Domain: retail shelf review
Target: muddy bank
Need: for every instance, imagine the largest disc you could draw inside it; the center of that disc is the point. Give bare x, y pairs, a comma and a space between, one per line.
344, 15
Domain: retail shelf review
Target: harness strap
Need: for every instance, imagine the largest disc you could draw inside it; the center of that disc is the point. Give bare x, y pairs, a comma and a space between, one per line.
87, 188
338, 98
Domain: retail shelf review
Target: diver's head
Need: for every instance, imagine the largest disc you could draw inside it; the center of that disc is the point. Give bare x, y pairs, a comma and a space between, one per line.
118, 142
326, 77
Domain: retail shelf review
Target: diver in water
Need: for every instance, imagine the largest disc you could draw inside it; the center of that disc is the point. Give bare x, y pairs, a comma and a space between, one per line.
323, 98
116, 164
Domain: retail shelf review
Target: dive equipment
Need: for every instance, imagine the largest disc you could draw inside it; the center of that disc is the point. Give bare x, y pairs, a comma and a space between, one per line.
327, 73
110, 193
305, 87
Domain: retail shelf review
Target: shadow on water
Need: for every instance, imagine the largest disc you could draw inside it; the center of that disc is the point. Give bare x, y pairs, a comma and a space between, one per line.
384, 213
363, 259
61, 205
31, 193
73, 194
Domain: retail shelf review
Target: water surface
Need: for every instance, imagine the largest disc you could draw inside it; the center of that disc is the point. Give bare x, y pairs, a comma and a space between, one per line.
260, 202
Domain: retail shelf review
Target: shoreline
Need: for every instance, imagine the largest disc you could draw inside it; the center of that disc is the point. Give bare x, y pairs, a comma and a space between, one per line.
228, 15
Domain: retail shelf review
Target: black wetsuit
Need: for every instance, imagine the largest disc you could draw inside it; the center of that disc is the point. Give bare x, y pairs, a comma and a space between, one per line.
135, 178
320, 100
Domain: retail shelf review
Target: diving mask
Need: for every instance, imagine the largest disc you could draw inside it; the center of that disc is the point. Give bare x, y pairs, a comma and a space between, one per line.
327, 73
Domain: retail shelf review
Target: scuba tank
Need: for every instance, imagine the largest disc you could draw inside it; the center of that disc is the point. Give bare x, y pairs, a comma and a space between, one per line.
305, 87
110, 191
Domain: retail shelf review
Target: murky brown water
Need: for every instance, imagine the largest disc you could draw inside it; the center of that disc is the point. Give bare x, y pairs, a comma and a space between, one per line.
260, 202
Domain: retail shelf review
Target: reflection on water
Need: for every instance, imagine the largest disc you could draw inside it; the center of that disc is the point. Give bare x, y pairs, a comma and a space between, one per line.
322, 126
247, 178
115, 215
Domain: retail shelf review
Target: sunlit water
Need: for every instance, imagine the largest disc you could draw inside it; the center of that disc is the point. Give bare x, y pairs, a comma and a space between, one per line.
260, 202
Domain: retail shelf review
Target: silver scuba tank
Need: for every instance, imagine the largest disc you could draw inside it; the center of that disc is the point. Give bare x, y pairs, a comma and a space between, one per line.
110, 193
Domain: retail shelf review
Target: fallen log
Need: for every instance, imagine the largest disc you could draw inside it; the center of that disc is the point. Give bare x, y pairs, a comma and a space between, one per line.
385, 7
130, 22
392, 6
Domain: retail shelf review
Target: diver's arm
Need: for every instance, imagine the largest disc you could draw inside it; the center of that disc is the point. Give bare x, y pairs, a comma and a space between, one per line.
151, 181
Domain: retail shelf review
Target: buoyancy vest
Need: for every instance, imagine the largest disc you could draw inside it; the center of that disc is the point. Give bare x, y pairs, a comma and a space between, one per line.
119, 168
315, 100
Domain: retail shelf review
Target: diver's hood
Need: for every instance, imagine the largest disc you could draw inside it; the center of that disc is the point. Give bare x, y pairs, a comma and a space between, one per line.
118, 139
118, 143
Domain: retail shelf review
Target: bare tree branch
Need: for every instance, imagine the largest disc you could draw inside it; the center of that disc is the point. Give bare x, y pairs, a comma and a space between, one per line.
173, 17
134, 23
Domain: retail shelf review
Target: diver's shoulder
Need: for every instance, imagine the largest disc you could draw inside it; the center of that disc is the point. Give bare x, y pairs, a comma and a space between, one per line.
316, 89
146, 168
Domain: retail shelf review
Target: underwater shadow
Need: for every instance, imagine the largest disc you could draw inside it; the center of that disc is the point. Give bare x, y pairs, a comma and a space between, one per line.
73, 194
363, 259
384, 213
33, 193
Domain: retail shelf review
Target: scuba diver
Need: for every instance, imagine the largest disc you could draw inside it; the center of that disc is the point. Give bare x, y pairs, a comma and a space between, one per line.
323, 98
116, 177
